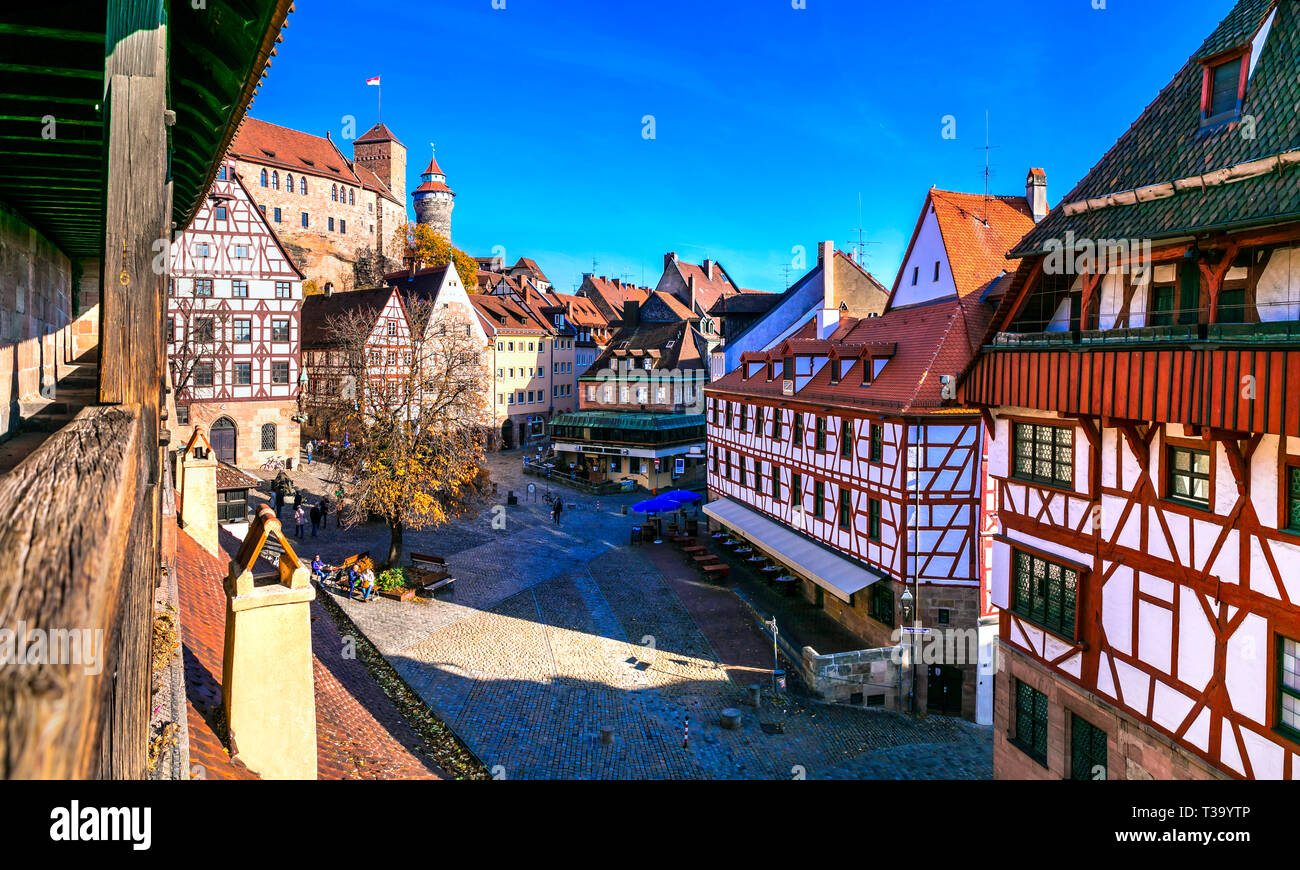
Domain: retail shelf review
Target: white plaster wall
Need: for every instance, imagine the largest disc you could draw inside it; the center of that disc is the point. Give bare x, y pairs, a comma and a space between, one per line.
1278, 293
928, 248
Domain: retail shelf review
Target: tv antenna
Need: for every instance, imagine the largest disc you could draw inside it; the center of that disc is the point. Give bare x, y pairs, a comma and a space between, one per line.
860, 246
988, 171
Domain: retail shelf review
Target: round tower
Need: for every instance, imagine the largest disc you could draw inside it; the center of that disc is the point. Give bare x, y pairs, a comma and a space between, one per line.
434, 200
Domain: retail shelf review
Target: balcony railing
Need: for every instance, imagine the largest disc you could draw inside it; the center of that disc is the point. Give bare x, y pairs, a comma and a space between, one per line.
1284, 331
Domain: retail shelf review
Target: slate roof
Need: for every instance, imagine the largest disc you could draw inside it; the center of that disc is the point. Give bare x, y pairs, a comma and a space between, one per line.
758, 302
930, 340
1167, 143
319, 309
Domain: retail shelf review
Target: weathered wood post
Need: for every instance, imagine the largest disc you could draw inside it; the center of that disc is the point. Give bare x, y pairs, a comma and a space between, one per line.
136, 218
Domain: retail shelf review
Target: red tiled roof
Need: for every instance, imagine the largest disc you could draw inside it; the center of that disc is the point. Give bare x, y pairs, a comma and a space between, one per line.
229, 477
379, 133
707, 292
370, 181
273, 145
532, 268
491, 309
615, 292
929, 340
580, 310
976, 247
433, 168
427, 186
359, 734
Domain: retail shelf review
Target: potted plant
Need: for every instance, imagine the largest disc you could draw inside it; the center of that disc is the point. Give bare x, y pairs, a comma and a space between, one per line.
393, 584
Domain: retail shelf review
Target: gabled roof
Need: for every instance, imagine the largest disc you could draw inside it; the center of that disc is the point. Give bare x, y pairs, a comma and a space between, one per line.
533, 270
707, 290
318, 310
378, 133
927, 340
1152, 183
757, 302
977, 232
580, 310
422, 283
614, 292
503, 314
672, 345
675, 305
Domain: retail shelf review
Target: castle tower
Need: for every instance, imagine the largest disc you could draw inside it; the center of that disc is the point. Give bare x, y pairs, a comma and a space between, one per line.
380, 151
434, 200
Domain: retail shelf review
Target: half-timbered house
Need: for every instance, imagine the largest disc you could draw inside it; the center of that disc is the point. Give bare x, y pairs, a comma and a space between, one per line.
840, 452
233, 329
1145, 402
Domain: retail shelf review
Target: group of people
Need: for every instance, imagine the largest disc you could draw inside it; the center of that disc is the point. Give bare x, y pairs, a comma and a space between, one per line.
360, 575
318, 514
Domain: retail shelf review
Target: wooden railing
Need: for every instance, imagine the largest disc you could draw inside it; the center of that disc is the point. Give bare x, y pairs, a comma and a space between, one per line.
79, 546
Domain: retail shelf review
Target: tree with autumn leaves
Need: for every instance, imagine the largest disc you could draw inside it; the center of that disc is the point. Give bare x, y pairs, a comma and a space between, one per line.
412, 405
421, 244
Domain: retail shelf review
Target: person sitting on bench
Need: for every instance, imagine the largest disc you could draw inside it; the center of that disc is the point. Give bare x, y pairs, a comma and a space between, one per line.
368, 585
318, 570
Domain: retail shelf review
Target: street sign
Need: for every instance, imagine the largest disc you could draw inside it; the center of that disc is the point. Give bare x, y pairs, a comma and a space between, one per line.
915, 630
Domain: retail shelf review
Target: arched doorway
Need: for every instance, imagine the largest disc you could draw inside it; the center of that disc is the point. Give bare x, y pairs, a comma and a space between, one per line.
507, 435
222, 436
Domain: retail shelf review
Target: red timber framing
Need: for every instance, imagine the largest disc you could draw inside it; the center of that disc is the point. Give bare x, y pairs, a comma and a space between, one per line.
949, 482
227, 226
1180, 607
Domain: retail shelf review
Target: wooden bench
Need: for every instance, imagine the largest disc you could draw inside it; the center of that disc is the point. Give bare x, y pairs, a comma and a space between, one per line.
339, 575
718, 570
695, 550
705, 559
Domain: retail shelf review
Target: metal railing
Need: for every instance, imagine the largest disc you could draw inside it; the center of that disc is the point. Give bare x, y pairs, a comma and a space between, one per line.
1286, 331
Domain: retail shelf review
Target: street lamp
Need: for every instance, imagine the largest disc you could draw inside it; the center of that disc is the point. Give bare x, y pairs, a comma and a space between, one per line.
908, 602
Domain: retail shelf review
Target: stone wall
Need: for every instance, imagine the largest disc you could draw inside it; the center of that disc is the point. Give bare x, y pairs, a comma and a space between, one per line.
867, 678
248, 417
1134, 750
35, 317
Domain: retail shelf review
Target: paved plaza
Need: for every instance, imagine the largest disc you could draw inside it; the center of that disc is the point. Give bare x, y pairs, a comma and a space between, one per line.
553, 632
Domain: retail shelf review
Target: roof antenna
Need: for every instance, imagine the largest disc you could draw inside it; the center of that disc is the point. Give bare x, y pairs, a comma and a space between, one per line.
987, 171
860, 246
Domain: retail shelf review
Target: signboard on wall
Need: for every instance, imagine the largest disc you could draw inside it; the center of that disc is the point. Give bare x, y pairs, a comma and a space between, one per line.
679, 466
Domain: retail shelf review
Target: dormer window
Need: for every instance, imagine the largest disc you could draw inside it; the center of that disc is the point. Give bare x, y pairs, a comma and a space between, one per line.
1224, 88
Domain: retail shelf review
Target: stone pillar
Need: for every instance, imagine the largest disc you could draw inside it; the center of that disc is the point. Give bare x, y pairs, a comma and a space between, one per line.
196, 486
267, 672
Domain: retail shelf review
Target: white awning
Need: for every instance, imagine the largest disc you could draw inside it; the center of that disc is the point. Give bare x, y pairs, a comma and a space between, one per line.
839, 575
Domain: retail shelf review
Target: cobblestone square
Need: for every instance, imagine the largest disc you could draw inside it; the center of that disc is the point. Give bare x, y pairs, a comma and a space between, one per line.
553, 632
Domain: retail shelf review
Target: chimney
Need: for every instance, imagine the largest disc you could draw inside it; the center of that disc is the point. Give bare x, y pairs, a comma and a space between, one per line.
329, 288
271, 710
670, 258
690, 292
631, 313
828, 319
1036, 193
708, 269
196, 485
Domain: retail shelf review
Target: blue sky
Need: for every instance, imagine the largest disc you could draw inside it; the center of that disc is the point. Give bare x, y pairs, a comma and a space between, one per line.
769, 121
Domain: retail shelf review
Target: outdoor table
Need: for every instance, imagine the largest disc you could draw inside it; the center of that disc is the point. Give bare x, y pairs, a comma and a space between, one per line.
636, 535
755, 558
717, 535
787, 583
744, 550
771, 569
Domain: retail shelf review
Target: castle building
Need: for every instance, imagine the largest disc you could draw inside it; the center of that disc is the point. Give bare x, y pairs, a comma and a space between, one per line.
434, 200
232, 329
324, 207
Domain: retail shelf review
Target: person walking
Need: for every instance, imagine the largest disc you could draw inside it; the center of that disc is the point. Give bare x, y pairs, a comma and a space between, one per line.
309, 449
324, 511
558, 509
300, 520
315, 517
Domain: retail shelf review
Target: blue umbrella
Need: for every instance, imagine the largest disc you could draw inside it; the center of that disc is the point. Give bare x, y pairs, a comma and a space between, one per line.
682, 496
655, 505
